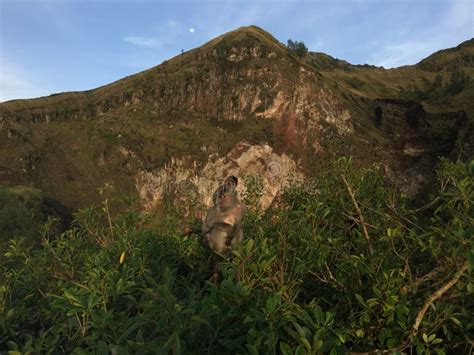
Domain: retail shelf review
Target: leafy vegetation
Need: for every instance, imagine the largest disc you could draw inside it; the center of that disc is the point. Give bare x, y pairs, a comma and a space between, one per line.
297, 47
23, 212
459, 80
341, 263
437, 90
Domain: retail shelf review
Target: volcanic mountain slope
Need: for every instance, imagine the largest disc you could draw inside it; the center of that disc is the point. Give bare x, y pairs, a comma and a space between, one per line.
440, 84
240, 104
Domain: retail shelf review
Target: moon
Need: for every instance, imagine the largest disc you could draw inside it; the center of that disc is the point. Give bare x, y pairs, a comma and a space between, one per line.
191, 30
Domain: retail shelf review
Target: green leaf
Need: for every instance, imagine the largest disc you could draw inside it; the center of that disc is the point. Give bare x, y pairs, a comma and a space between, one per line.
425, 338
470, 258
174, 343
300, 350
12, 345
391, 343
248, 319
470, 168
200, 320
129, 331
72, 299
10, 313
272, 303
102, 348
318, 314
341, 336
306, 344
360, 300
329, 318
285, 349
456, 321
300, 330
252, 349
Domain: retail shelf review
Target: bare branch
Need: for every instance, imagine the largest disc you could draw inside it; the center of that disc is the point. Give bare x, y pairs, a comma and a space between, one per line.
421, 314
331, 277
359, 212
435, 296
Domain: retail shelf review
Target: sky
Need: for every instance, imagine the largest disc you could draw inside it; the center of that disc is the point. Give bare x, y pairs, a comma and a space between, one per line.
51, 46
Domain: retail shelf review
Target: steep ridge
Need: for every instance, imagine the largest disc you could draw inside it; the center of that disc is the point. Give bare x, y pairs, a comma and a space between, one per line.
217, 79
436, 94
241, 104
450, 59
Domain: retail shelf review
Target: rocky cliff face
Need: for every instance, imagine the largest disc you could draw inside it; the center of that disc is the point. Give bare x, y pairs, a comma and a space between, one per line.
241, 104
414, 131
182, 177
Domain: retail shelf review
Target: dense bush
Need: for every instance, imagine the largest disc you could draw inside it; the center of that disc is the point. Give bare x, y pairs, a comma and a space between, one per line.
297, 47
342, 263
459, 80
23, 212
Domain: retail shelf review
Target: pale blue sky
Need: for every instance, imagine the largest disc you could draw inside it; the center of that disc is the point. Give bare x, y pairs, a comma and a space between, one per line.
50, 46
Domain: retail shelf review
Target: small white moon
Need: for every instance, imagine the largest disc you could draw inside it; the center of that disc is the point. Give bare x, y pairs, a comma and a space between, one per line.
191, 30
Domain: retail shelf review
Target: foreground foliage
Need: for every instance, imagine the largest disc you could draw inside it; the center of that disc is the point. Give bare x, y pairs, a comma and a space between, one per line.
341, 264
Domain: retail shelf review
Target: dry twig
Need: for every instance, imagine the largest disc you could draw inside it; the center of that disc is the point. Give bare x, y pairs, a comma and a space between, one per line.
359, 212
421, 314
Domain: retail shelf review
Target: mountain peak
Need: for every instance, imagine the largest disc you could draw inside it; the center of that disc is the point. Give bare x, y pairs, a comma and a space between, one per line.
250, 29
246, 36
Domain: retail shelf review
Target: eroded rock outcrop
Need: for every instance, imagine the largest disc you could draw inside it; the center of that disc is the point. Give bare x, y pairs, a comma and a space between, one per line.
251, 163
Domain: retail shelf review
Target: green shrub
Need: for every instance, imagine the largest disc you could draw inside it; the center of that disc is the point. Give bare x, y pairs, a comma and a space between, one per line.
459, 79
340, 263
355, 82
22, 214
297, 47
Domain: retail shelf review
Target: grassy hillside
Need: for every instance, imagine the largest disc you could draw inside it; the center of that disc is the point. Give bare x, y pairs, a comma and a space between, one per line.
70, 144
341, 264
243, 86
442, 84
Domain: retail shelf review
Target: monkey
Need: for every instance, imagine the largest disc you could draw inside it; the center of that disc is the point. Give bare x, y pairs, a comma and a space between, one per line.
222, 227
230, 185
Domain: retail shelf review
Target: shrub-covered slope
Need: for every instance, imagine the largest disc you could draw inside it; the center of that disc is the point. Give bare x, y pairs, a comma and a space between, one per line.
341, 264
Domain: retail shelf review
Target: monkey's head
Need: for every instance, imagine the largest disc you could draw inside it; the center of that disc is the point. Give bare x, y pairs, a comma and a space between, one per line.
232, 180
230, 184
227, 200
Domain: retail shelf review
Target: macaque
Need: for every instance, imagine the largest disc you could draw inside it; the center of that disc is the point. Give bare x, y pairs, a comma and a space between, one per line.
222, 228
230, 185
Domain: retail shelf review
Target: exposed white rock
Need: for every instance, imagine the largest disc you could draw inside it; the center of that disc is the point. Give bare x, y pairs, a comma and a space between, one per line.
245, 161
